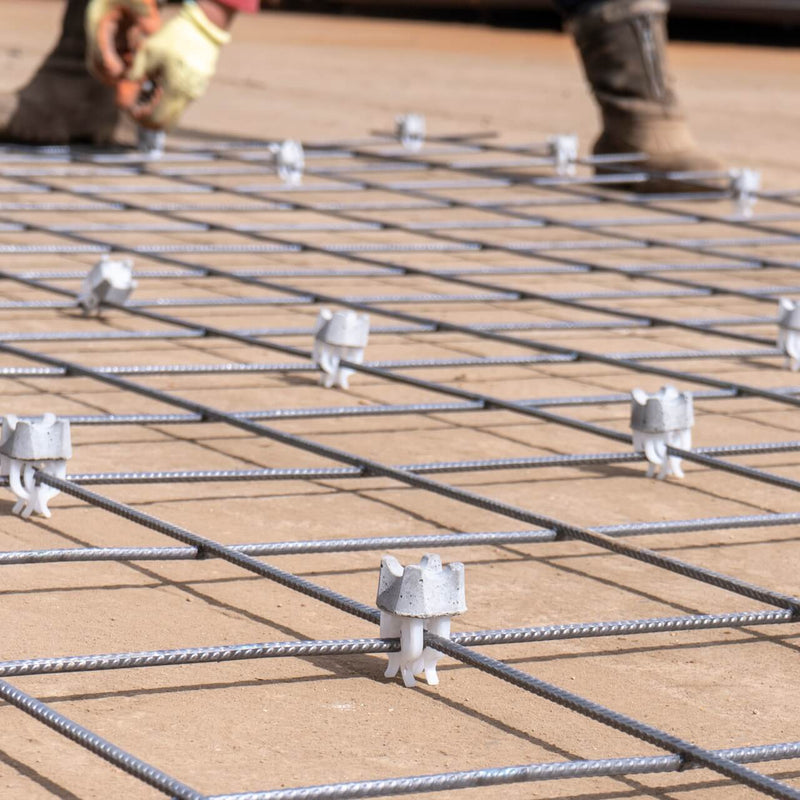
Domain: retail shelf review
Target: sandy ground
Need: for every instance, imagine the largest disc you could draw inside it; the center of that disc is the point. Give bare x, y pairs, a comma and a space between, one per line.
293, 722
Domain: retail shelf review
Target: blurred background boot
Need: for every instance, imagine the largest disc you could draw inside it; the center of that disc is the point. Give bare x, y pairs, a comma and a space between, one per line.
62, 103
623, 48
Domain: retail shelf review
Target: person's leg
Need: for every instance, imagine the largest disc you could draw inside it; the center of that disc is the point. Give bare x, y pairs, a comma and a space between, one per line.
61, 103
622, 44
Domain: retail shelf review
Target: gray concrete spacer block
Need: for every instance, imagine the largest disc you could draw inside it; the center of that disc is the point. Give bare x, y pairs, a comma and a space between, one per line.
46, 439
9, 424
342, 328
110, 281
666, 410
421, 590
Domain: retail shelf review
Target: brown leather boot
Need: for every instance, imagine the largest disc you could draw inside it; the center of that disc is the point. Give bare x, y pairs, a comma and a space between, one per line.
623, 47
61, 103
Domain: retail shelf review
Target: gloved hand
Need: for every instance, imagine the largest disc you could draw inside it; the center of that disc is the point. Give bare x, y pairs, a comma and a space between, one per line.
180, 60
114, 31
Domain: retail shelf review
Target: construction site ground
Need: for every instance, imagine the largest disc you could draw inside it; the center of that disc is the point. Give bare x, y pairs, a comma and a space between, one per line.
264, 724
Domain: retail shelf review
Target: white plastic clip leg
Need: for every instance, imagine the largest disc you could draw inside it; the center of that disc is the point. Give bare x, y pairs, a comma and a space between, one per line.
655, 445
414, 658
329, 358
411, 632
789, 342
438, 626
30, 495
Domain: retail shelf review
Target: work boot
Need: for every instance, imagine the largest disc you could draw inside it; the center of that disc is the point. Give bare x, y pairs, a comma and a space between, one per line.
623, 47
62, 103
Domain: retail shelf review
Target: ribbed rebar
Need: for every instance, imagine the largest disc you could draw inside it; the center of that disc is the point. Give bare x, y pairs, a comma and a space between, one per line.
709, 247
522, 773
204, 545
414, 363
689, 753
469, 497
429, 468
529, 295
96, 744
358, 544
339, 647
196, 655
587, 630
392, 409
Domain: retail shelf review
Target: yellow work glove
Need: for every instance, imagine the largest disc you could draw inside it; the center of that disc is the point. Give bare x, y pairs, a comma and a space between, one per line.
114, 31
180, 61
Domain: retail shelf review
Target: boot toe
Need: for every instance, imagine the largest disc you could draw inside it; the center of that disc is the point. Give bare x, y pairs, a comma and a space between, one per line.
659, 161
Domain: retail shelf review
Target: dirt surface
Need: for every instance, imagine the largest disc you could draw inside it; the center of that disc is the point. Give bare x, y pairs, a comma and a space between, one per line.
283, 722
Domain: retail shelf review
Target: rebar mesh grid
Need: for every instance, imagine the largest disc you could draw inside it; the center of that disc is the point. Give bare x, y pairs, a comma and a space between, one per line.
499, 290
